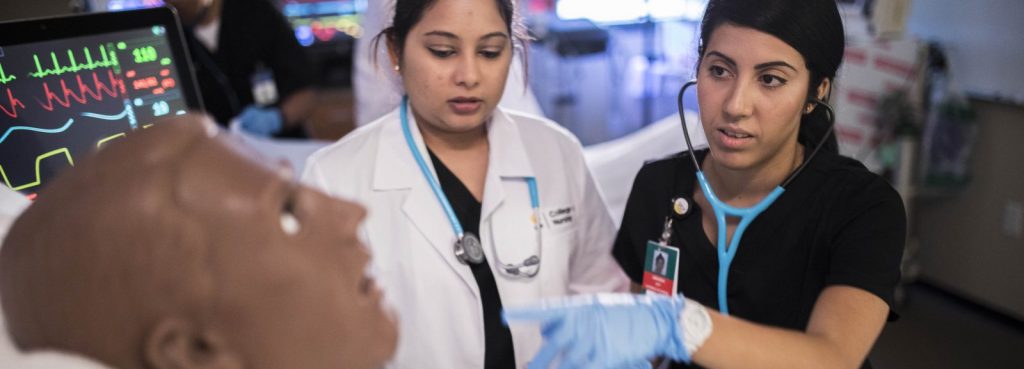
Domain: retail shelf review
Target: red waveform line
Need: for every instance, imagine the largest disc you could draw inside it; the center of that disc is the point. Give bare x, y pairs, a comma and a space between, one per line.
14, 104
98, 89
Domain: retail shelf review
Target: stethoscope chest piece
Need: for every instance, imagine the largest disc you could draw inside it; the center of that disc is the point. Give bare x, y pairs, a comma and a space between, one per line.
469, 250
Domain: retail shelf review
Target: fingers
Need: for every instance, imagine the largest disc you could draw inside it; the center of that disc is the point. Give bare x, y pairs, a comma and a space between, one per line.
554, 343
535, 313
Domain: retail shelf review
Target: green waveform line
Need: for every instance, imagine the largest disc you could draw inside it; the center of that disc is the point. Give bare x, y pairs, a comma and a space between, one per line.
4, 78
109, 60
39, 159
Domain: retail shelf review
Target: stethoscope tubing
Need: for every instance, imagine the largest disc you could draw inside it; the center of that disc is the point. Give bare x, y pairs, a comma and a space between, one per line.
435, 187
746, 215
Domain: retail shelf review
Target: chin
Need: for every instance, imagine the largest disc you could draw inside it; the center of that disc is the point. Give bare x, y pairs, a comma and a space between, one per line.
733, 160
464, 123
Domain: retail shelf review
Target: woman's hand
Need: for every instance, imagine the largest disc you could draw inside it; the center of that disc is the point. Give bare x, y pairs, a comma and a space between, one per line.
609, 331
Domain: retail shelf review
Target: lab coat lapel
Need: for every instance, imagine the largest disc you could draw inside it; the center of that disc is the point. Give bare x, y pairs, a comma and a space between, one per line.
397, 169
507, 160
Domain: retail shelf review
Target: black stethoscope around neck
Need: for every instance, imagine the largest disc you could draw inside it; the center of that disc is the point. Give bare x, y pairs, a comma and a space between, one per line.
726, 253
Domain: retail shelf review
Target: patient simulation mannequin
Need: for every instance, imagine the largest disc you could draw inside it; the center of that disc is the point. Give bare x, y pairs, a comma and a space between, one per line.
173, 249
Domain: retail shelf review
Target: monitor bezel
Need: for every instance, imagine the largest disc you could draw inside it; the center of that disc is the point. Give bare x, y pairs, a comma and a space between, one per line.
54, 28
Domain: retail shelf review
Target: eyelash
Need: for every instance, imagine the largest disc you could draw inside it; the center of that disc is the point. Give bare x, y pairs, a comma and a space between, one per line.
717, 72
447, 53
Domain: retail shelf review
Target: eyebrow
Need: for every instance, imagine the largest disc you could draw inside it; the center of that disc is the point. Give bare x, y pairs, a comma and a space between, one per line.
732, 63
452, 36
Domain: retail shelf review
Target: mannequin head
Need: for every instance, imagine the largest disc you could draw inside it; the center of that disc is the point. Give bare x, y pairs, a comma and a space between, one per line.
172, 248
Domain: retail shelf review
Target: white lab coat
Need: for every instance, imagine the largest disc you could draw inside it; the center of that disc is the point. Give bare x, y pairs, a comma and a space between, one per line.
436, 298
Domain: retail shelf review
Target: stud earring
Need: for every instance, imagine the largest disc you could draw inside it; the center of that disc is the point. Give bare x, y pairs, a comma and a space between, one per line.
397, 68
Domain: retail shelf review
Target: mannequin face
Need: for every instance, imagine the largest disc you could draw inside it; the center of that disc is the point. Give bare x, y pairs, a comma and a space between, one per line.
229, 263
293, 288
454, 64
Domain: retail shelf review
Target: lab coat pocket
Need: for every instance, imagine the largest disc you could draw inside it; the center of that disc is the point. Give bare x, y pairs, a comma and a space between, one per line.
558, 240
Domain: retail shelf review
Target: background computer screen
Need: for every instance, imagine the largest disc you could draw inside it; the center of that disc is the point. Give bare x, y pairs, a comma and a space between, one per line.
61, 98
324, 21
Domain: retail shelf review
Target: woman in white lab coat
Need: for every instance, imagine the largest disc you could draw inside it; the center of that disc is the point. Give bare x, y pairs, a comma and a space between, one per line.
450, 173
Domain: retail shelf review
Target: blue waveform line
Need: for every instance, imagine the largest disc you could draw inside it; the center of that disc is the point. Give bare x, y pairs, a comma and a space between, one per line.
35, 129
127, 112
107, 117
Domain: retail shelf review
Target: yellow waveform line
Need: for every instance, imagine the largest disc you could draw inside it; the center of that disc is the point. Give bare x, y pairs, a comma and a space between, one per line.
103, 141
39, 159
4, 78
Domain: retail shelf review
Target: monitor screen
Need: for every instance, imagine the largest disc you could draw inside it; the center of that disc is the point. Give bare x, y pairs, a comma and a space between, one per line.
324, 21
68, 86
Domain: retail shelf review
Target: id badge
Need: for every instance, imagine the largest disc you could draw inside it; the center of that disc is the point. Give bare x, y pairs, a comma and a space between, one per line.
661, 267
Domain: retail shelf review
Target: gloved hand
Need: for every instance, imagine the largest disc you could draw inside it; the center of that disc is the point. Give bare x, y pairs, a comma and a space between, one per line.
606, 331
261, 121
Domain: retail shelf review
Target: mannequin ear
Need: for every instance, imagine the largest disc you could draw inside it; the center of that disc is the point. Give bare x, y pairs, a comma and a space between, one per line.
178, 344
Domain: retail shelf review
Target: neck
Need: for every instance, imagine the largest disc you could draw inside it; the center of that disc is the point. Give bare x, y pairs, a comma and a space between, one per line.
211, 13
443, 141
747, 186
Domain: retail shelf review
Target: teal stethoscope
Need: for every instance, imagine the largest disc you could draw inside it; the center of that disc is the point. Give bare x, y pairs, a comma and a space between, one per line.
468, 249
746, 215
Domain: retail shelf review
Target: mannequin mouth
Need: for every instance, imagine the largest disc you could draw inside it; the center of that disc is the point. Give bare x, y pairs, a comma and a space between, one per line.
367, 285
465, 105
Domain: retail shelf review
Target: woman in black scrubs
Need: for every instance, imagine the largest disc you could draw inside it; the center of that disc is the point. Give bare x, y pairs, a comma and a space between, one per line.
812, 280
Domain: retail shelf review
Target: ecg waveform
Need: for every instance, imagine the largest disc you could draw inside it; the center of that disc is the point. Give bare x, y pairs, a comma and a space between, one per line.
11, 108
4, 78
113, 88
109, 60
38, 180
36, 129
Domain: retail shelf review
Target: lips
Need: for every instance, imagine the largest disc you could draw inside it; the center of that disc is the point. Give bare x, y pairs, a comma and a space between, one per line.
733, 138
465, 105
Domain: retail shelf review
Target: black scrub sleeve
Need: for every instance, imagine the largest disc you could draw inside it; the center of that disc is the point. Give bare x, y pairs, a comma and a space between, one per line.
284, 56
643, 218
868, 249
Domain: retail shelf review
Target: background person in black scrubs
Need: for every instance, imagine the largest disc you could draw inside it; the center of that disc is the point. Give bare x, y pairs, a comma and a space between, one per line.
812, 281
249, 65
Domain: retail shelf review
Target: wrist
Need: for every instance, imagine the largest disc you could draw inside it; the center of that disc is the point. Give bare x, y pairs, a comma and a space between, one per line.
695, 325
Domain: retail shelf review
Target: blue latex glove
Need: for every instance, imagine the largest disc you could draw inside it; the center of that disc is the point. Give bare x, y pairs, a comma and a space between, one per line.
606, 331
264, 121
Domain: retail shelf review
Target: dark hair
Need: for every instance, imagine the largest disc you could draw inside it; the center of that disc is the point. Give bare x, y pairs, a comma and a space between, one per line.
409, 12
812, 27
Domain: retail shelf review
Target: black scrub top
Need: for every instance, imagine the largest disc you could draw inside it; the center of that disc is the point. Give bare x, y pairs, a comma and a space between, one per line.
836, 224
498, 349
253, 33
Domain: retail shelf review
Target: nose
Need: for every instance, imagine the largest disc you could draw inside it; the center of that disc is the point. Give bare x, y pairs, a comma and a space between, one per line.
467, 72
739, 102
